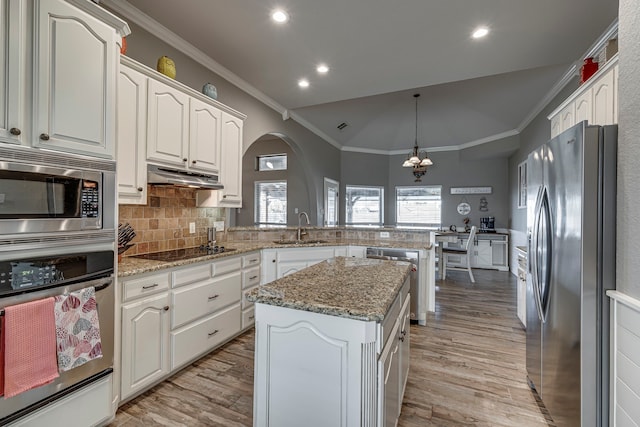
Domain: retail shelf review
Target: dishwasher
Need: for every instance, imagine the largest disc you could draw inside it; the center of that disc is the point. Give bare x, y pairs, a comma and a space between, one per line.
410, 256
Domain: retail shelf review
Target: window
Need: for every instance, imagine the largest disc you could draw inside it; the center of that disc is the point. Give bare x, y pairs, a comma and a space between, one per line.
271, 203
271, 162
364, 206
418, 206
331, 202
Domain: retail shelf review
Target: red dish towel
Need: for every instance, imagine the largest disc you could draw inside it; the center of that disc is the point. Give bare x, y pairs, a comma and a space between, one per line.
30, 346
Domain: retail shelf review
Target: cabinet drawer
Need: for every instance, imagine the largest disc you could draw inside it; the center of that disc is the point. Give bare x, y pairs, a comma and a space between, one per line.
204, 335
191, 275
251, 260
225, 266
250, 277
134, 288
245, 302
200, 299
248, 318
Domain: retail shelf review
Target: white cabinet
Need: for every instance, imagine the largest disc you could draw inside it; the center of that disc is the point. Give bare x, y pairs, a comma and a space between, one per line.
167, 124
204, 136
357, 251
250, 280
489, 250
12, 95
281, 262
75, 68
145, 343
132, 133
59, 73
595, 101
171, 318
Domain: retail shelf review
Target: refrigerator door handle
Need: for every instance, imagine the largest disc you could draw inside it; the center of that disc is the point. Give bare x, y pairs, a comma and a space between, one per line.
535, 241
544, 290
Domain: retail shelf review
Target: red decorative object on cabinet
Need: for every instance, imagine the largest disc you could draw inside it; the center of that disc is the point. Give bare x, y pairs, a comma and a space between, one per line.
123, 49
588, 69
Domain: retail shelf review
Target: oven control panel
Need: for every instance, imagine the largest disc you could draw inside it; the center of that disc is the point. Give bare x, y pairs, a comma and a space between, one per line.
27, 274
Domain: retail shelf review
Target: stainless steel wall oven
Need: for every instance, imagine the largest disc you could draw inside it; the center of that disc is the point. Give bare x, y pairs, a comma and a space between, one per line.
57, 236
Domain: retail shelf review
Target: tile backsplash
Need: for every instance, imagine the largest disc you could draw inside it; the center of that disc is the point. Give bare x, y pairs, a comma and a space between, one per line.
163, 224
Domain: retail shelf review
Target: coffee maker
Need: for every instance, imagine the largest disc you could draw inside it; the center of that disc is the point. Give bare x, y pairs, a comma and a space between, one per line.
487, 224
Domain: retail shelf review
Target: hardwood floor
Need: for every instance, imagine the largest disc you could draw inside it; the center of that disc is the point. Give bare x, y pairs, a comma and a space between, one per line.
467, 368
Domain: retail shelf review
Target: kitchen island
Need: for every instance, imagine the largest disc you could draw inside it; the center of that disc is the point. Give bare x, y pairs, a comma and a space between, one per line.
332, 344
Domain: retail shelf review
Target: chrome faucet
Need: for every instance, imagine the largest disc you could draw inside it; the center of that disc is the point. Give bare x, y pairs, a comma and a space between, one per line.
299, 224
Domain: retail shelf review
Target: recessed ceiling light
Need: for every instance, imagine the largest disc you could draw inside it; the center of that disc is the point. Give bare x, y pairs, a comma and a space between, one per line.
280, 16
322, 69
303, 83
480, 32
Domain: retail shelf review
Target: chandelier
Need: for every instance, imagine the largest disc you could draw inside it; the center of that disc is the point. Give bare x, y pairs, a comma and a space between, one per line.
418, 160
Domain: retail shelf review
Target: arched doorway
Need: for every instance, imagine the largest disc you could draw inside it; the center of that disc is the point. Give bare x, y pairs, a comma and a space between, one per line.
260, 183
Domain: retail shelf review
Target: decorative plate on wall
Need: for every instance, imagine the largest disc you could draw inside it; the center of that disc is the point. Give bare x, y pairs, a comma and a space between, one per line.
464, 208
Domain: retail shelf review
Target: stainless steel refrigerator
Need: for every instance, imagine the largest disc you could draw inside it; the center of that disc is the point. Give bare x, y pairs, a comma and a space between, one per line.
571, 208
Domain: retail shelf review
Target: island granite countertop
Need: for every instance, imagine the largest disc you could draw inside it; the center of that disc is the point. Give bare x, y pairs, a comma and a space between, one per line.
355, 288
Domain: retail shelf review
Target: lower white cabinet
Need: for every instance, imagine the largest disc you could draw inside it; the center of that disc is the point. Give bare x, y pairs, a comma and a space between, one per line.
145, 343
172, 318
488, 250
521, 290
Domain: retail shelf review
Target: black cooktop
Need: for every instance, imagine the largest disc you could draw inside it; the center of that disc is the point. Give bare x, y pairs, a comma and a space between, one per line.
186, 253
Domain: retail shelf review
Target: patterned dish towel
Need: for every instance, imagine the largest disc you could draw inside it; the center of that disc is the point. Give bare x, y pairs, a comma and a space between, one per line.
77, 329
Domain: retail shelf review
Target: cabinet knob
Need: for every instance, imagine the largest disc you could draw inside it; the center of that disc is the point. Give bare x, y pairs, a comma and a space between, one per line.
184, 160
224, 197
165, 308
44, 136
140, 188
15, 131
401, 338
273, 260
193, 162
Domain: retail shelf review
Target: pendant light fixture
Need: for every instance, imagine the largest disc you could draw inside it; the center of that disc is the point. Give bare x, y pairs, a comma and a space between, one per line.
418, 159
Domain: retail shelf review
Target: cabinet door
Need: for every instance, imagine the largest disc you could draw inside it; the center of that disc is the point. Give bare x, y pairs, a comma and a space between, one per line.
12, 28
204, 136
555, 126
584, 106
75, 72
567, 117
405, 333
269, 269
482, 254
145, 343
389, 382
167, 124
603, 98
286, 268
131, 141
231, 157
499, 258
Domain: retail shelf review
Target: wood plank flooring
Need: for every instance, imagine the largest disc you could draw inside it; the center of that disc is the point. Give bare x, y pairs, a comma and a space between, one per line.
467, 368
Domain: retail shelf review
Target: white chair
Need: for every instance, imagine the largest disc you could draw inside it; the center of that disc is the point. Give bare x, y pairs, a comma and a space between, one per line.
462, 251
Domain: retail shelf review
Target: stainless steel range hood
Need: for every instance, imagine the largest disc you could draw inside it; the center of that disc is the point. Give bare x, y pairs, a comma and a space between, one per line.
161, 175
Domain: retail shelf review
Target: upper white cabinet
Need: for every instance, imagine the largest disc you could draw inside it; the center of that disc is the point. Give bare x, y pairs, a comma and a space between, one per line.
181, 128
596, 101
167, 124
70, 67
132, 134
12, 46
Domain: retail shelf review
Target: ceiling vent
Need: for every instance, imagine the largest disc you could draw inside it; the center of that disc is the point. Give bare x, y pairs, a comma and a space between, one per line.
342, 125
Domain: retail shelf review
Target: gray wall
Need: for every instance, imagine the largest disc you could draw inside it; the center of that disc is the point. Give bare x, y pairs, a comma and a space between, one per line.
628, 244
297, 194
533, 136
318, 157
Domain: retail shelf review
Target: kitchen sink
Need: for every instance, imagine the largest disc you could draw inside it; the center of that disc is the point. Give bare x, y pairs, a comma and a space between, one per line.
299, 242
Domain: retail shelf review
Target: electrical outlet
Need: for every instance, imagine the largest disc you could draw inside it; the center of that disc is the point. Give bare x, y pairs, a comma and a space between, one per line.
295, 210
192, 227
384, 234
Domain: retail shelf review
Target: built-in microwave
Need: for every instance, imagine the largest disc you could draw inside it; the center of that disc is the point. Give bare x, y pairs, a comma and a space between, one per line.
49, 192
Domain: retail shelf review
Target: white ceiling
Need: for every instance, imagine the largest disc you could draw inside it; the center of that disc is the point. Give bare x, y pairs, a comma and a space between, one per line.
382, 52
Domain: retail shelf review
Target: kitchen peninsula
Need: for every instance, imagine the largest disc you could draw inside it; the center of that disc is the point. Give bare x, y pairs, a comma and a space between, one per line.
332, 344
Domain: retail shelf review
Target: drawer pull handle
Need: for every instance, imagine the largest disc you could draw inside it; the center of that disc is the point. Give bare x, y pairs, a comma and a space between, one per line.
165, 308
150, 286
211, 298
213, 333
253, 260
252, 317
253, 277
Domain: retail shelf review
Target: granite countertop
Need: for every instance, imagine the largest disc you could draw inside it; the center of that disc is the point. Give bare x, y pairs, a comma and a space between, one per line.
130, 266
355, 288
